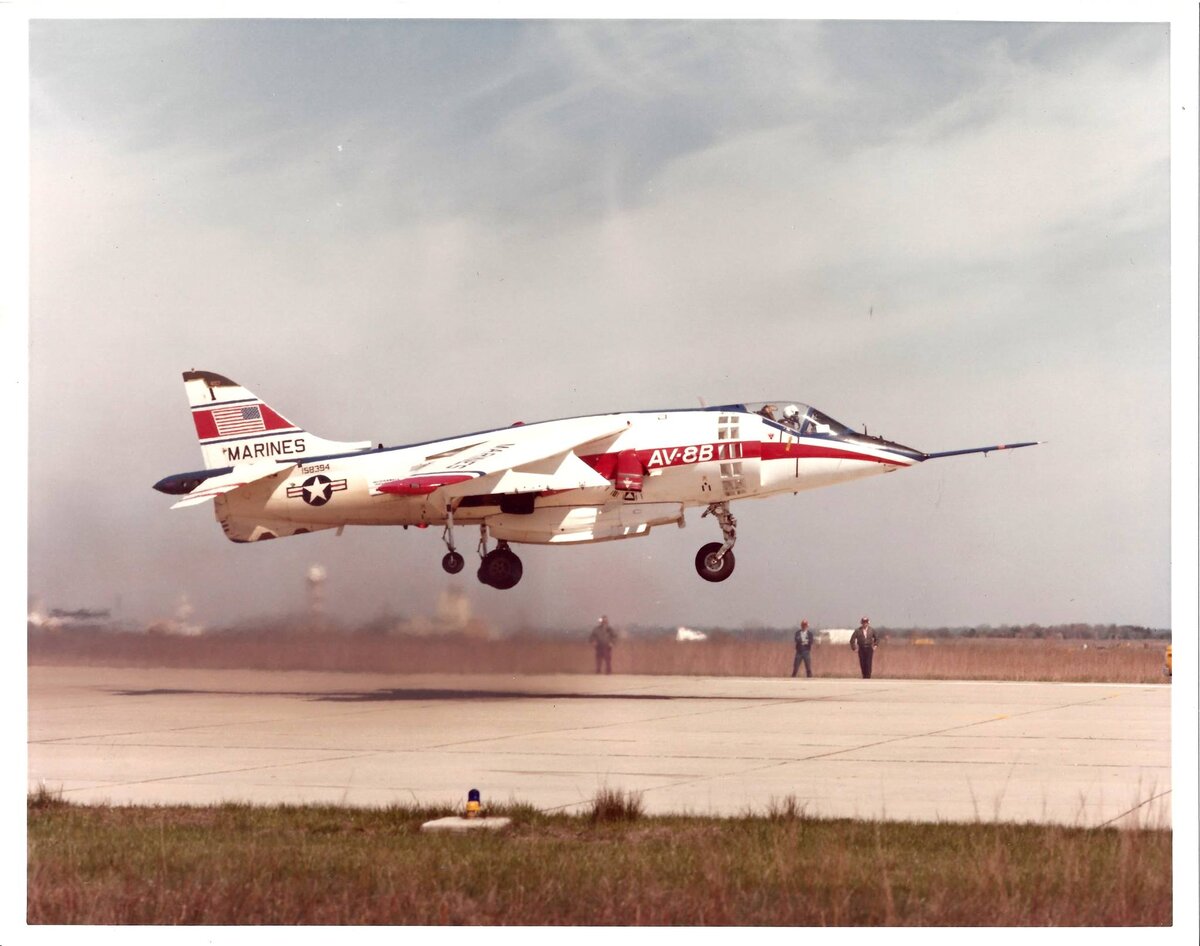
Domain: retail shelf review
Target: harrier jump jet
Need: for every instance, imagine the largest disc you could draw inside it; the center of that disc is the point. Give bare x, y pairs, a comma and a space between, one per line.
579, 479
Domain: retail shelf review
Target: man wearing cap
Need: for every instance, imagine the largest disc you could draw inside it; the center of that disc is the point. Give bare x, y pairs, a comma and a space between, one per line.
804, 641
603, 637
864, 641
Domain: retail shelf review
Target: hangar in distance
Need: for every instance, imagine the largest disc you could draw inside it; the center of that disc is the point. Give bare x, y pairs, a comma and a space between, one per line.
578, 479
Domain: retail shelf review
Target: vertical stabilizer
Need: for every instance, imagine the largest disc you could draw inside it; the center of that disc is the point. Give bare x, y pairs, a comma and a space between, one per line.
235, 426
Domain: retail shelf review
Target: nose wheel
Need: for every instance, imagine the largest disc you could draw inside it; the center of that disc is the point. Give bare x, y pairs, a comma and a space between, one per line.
712, 565
714, 561
452, 561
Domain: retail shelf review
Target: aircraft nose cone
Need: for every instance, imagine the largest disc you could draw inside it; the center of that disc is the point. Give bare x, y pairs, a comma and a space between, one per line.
908, 453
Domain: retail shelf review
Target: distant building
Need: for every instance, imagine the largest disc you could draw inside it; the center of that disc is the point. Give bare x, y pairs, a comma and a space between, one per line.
314, 581
834, 635
38, 618
452, 615
687, 634
181, 625
453, 611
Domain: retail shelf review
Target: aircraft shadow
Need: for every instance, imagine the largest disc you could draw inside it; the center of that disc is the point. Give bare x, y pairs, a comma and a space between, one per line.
400, 694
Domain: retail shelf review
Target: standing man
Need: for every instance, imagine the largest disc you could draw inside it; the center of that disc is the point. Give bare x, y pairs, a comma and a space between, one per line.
864, 641
804, 641
603, 637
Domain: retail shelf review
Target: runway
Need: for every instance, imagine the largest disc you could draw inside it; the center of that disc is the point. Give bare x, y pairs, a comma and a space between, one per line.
1076, 754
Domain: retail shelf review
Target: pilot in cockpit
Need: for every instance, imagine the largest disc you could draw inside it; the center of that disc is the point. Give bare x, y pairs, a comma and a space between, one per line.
768, 411
791, 416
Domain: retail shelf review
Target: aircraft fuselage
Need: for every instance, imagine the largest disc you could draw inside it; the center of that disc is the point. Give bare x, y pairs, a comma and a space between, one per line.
686, 458
579, 479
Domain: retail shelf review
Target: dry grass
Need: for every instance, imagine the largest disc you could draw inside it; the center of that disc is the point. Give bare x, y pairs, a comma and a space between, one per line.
615, 804
238, 864
962, 659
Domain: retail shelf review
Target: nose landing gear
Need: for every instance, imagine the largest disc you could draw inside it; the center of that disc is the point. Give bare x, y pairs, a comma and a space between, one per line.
452, 561
714, 561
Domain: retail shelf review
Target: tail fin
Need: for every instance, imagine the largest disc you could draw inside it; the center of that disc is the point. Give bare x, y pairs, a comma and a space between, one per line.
235, 426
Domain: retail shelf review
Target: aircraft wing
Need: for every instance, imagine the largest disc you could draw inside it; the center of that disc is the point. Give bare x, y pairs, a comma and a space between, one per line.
511, 462
227, 482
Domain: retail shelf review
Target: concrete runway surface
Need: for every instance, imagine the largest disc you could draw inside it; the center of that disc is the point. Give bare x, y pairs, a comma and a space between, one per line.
1077, 754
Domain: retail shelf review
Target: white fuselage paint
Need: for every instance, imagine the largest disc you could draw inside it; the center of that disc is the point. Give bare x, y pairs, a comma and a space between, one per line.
689, 458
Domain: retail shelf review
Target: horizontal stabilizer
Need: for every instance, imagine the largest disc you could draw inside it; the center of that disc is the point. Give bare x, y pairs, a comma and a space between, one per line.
226, 483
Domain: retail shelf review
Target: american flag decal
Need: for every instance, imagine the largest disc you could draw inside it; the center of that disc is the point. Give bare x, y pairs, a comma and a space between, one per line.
239, 420
245, 419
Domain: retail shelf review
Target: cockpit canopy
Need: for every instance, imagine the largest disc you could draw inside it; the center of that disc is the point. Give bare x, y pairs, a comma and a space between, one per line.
806, 420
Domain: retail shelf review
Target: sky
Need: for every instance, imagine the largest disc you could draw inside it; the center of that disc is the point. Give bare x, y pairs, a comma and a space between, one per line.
955, 233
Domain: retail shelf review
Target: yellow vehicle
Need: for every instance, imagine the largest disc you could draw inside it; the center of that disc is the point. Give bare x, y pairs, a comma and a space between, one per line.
1167, 665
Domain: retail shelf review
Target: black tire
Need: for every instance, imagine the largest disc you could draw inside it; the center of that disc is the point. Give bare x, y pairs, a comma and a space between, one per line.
501, 569
709, 571
453, 562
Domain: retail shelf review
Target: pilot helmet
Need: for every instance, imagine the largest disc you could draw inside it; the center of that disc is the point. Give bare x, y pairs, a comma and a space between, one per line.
791, 412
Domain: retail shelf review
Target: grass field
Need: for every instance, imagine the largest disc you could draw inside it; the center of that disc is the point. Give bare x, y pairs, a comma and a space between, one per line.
235, 865
961, 659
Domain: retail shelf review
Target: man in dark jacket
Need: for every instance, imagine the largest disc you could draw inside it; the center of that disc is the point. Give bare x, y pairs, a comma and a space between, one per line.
804, 642
864, 641
603, 637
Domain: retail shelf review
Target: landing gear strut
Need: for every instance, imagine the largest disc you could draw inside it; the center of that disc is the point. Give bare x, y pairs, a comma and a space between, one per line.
714, 561
499, 568
452, 561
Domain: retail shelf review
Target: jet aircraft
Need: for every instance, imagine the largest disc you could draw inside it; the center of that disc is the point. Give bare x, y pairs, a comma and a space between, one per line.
579, 479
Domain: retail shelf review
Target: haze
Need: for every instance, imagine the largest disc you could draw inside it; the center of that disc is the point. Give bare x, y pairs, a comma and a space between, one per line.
957, 234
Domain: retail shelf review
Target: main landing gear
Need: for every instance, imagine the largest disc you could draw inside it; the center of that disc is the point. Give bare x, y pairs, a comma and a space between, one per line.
714, 562
500, 567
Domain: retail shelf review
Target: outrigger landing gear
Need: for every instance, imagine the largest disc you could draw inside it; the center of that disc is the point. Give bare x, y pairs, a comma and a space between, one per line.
714, 562
452, 561
500, 567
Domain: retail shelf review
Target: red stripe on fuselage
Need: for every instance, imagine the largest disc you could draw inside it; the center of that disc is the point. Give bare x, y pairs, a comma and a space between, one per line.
805, 451
725, 451
421, 485
656, 458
